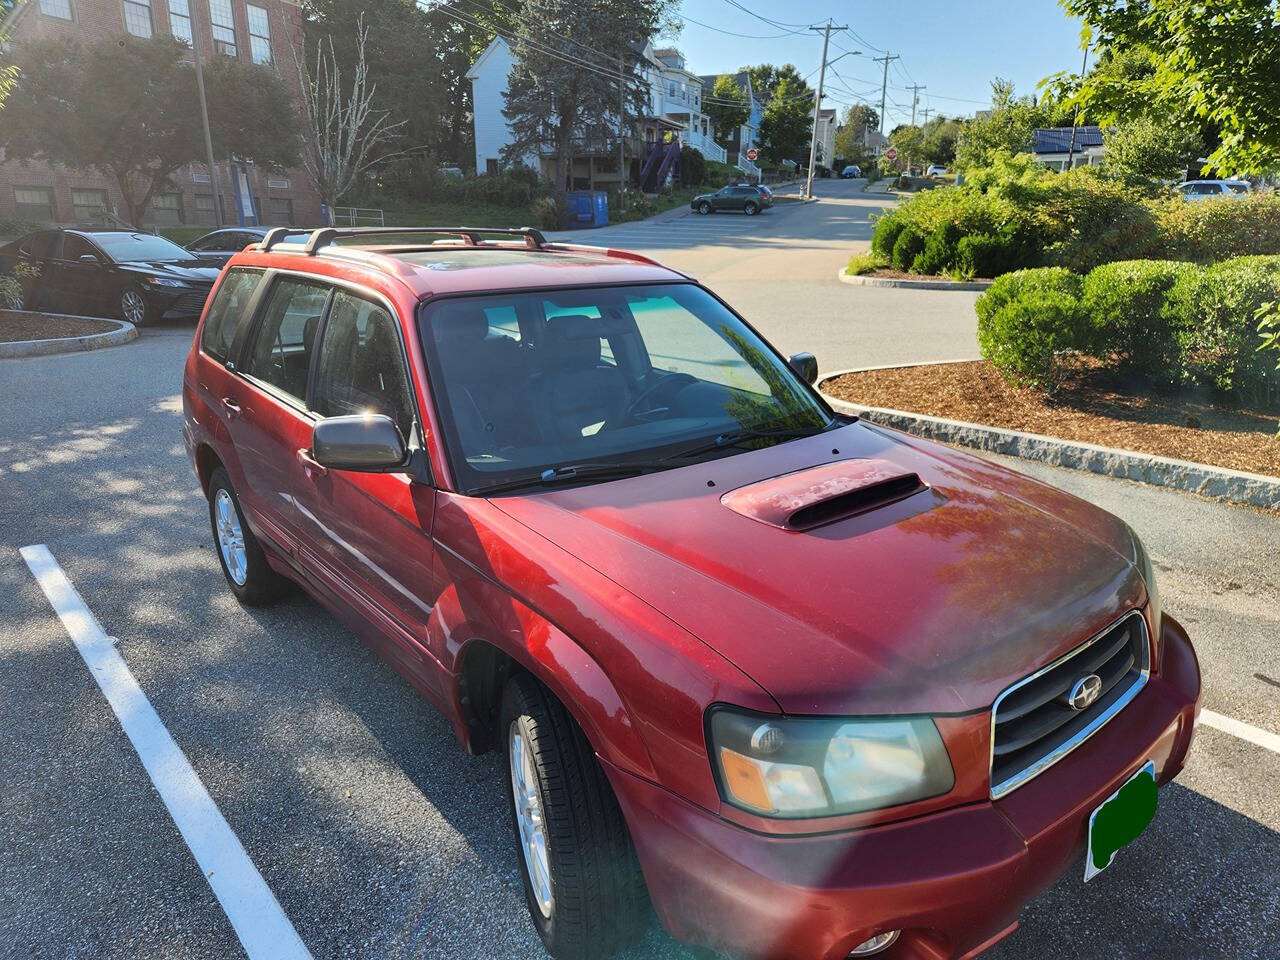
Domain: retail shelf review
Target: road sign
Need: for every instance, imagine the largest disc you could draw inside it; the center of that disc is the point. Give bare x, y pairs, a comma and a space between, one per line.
892, 153
751, 154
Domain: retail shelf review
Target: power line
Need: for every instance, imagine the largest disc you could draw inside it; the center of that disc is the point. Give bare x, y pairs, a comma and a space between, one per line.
744, 36
802, 28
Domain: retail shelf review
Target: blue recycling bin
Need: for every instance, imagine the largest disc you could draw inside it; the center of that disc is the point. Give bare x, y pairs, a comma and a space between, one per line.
588, 208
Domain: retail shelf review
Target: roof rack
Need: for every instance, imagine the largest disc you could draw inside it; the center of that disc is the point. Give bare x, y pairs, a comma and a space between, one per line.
327, 235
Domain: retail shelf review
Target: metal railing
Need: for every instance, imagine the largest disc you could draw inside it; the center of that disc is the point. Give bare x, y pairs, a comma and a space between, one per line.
705, 146
358, 217
746, 166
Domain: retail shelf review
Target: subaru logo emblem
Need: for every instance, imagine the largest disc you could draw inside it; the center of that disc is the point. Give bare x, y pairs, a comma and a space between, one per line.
1084, 692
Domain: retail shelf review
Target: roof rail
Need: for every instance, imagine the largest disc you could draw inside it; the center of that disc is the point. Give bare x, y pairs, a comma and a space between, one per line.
327, 235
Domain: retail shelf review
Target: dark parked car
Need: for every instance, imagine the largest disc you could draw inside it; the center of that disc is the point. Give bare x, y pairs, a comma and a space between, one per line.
828, 690
111, 273
216, 248
749, 199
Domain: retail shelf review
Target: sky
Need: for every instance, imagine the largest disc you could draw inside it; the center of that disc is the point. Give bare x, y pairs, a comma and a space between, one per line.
953, 47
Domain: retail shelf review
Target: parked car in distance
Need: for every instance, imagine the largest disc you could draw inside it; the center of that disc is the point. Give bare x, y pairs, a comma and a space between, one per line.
1200, 189
826, 689
126, 274
216, 248
935, 170
851, 172
748, 198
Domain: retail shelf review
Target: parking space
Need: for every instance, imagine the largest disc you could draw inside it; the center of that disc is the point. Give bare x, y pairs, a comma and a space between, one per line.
351, 800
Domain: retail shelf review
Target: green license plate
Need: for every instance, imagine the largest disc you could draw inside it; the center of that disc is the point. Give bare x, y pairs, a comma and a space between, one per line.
1119, 820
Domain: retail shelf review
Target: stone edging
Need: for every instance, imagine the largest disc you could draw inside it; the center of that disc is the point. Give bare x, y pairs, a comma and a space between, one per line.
865, 281
123, 333
1217, 483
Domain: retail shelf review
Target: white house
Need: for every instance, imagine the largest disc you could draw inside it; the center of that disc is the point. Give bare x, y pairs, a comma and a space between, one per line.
826, 136
488, 76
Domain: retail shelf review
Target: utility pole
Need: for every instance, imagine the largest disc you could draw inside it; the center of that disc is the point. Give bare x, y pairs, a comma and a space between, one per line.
204, 123
884, 86
622, 128
817, 106
915, 98
926, 111
1071, 148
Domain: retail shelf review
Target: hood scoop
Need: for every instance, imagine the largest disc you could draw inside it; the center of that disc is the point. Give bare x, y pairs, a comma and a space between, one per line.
820, 495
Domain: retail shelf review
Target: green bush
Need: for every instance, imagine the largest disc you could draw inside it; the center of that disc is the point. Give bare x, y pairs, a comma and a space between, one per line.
1218, 228
1213, 312
861, 263
546, 214
1026, 337
1021, 283
693, 167
10, 293
939, 254
885, 234
1124, 304
990, 255
907, 247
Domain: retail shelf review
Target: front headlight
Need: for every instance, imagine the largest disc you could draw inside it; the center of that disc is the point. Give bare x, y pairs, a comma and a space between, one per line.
166, 282
795, 767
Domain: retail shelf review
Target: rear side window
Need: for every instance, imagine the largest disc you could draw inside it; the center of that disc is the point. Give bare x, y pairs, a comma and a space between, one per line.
281, 354
228, 311
362, 365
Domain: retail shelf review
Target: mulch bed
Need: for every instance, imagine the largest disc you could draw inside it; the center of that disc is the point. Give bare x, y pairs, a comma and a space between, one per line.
42, 326
1092, 406
889, 273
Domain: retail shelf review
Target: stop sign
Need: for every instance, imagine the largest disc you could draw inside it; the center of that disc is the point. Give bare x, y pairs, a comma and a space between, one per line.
892, 153
751, 154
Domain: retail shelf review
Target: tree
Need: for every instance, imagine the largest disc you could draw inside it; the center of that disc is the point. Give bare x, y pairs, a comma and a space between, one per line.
123, 107
787, 125
729, 108
1219, 59
1008, 125
1144, 151
564, 84
345, 135
851, 139
766, 78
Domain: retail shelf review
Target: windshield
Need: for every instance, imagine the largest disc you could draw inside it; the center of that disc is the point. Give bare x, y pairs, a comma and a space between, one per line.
530, 382
126, 247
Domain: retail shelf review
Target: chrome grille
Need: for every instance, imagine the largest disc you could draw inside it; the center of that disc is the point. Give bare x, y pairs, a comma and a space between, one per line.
1034, 725
189, 304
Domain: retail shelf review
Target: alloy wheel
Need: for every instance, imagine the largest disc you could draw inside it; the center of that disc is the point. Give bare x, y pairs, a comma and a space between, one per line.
133, 307
230, 537
530, 820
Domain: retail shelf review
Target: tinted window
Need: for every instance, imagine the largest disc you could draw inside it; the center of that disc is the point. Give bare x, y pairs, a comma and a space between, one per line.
228, 311
40, 245
211, 242
124, 247
74, 247
281, 354
362, 365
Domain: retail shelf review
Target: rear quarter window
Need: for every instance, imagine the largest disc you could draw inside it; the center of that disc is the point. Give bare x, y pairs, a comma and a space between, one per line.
229, 311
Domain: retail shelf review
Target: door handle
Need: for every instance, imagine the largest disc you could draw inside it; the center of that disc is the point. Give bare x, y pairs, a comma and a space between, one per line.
232, 408
309, 463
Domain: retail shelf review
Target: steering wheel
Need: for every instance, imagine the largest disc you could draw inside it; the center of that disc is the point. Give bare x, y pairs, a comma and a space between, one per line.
677, 380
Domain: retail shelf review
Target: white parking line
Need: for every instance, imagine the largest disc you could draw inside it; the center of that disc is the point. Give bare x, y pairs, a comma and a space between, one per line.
264, 931
1245, 731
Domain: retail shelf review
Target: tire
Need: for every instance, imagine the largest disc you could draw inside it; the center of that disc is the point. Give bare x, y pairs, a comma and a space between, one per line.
133, 304
248, 574
594, 900
750, 209
704, 208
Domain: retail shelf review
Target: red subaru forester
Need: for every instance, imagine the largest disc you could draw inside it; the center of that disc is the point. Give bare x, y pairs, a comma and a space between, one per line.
813, 688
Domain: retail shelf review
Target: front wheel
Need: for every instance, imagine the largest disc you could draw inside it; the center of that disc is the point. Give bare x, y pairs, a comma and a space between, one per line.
133, 306
750, 209
582, 882
704, 208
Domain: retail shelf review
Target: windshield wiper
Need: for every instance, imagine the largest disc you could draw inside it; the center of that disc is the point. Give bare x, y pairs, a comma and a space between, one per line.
737, 437
594, 470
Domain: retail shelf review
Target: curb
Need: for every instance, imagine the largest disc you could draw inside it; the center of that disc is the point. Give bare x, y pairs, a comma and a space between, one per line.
123, 333
863, 281
1217, 483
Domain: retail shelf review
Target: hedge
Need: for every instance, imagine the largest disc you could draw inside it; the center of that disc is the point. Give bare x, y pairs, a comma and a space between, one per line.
1168, 322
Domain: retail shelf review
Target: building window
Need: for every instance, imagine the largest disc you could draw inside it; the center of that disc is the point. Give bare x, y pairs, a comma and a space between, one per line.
204, 209
180, 20
259, 34
56, 8
224, 27
279, 211
278, 183
137, 18
167, 208
34, 203
88, 204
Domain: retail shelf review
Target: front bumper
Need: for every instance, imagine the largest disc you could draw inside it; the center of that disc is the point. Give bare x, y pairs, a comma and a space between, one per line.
173, 303
954, 882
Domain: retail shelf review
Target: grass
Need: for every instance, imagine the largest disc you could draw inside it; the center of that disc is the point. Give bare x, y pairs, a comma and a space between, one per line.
861, 263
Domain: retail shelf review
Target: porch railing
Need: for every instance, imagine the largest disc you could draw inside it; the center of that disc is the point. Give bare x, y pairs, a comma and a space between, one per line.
705, 146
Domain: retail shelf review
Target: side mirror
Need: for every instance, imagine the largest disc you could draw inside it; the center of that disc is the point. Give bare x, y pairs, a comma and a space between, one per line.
368, 442
805, 366
88, 258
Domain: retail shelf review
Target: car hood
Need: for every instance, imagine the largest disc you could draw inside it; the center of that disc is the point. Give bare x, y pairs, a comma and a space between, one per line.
840, 587
178, 271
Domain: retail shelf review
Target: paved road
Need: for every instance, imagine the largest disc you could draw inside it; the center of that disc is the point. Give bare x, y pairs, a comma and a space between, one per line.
377, 835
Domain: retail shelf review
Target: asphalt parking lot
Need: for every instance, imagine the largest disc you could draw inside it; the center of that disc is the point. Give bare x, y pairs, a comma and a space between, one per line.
373, 831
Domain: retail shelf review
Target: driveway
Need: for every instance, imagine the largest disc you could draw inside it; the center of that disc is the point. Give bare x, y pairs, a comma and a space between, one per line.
375, 834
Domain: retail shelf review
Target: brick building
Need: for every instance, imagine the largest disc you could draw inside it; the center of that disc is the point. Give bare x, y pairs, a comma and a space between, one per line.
257, 31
